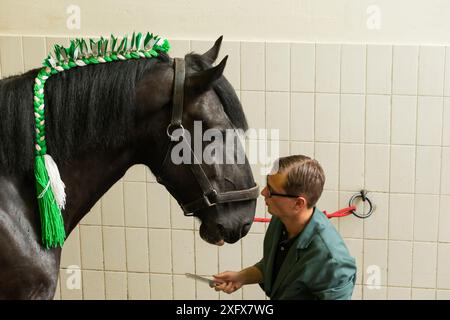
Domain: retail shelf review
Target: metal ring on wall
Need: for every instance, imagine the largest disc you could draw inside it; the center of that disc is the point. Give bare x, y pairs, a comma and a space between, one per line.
363, 196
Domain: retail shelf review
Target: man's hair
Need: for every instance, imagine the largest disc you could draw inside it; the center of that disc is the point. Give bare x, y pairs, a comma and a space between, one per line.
305, 177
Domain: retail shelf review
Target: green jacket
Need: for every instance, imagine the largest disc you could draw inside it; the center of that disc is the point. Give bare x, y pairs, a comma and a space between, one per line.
317, 266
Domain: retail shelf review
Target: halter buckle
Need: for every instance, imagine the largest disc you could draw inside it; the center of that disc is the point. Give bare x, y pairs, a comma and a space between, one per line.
211, 197
172, 128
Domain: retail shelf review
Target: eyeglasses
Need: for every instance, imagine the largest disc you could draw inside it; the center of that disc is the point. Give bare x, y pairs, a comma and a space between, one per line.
271, 193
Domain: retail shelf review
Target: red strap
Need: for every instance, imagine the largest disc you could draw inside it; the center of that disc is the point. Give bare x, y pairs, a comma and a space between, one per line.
340, 213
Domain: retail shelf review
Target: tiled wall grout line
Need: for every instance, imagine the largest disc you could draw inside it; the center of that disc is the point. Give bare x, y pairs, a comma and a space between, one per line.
125, 236
389, 175
365, 141
440, 174
81, 259
148, 237
415, 165
147, 229
390, 167
103, 248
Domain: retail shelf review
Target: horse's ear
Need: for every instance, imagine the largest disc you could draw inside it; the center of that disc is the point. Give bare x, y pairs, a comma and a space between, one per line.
211, 55
202, 80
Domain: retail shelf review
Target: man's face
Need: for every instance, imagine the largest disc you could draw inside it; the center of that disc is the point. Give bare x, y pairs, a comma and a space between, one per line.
279, 206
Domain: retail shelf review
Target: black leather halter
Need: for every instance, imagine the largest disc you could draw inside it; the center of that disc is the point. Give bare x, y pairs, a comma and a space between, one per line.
210, 196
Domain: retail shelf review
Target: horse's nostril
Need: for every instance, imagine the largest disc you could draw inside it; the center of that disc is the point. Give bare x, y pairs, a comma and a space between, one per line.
221, 229
245, 228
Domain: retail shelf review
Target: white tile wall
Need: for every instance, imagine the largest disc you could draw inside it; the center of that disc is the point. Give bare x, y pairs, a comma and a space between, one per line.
370, 293
137, 249
208, 255
116, 285
328, 156
401, 216
160, 250
351, 167
134, 204
277, 113
302, 117
353, 66
375, 260
400, 263
404, 112
426, 215
445, 171
379, 69
423, 294
183, 251
424, 265
254, 105
429, 120
138, 286
378, 118
91, 240
431, 70
428, 165
352, 118
114, 249
161, 286
253, 66
328, 67
443, 272
303, 67
278, 67
377, 167
403, 160
93, 285
183, 288
375, 116
399, 293
444, 219
378, 225
112, 203
327, 117
404, 72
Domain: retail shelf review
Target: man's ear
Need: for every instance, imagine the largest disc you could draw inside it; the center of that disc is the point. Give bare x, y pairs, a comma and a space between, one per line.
211, 55
201, 81
301, 202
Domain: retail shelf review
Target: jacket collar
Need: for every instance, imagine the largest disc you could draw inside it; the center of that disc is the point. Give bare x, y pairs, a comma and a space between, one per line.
315, 224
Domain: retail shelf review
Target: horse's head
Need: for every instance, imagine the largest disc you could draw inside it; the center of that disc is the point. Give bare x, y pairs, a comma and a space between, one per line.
183, 99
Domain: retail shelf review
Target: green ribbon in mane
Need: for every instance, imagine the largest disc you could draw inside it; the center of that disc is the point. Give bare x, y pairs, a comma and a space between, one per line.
49, 185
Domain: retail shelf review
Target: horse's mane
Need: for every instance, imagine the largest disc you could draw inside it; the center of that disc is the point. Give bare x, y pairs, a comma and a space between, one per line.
79, 113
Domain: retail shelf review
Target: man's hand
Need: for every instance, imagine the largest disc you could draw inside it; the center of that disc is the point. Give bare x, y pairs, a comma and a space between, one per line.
228, 281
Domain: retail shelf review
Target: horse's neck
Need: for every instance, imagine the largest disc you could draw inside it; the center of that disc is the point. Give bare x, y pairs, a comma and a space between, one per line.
88, 177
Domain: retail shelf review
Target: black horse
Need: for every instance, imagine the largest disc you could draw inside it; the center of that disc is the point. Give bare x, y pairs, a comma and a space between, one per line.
101, 120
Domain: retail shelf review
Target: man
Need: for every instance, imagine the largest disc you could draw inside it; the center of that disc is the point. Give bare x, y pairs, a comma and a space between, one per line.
304, 256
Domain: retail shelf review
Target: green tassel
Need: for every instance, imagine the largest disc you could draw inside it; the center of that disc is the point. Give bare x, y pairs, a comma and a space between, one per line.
52, 224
